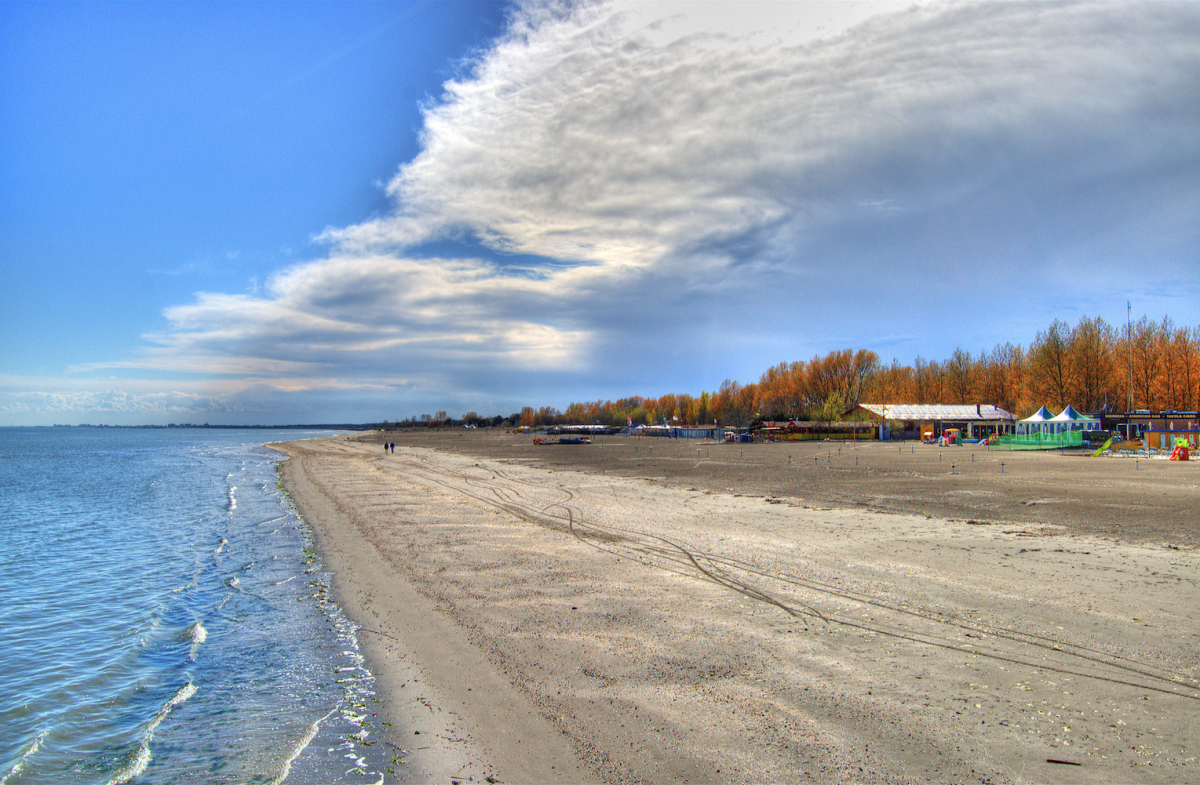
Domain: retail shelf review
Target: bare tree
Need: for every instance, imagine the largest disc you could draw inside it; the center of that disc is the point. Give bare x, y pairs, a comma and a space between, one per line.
1004, 377
1147, 347
929, 380
1091, 364
1049, 365
1187, 348
958, 376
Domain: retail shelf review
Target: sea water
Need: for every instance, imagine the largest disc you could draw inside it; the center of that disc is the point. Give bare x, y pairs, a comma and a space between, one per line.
164, 617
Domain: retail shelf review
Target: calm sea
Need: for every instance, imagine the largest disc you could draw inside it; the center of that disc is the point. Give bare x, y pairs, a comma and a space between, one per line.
164, 618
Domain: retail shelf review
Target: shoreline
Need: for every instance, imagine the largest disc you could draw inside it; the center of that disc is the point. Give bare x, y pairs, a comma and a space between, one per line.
423, 668
536, 607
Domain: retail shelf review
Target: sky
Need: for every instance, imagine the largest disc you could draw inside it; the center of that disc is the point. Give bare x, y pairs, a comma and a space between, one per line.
269, 213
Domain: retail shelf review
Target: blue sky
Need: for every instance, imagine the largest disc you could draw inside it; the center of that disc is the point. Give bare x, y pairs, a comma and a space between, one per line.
316, 212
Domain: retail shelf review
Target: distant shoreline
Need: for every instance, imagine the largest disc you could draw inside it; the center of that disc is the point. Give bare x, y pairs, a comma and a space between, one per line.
206, 426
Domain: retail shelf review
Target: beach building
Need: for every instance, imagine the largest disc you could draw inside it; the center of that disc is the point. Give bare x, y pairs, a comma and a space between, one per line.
1165, 440
697, 432
713, 432
920, 420
587, 430
807, 430
1131, 425
1158, 430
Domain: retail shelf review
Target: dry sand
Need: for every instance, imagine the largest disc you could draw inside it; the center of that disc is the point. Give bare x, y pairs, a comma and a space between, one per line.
637, 612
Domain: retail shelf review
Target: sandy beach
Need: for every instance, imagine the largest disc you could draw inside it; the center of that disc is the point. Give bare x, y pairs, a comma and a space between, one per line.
637, 611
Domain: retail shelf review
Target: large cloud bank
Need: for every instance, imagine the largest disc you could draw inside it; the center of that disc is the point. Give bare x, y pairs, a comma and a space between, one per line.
672, 181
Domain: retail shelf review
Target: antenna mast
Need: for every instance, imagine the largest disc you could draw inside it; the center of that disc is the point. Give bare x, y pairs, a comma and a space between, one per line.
1129, 341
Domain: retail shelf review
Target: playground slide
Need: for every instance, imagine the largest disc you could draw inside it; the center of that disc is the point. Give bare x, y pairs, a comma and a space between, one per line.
1105, 446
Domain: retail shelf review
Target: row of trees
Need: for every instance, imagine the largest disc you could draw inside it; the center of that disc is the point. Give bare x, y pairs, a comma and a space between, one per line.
1092, 366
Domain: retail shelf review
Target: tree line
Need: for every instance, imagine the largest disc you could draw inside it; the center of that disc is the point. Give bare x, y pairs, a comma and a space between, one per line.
1094, 366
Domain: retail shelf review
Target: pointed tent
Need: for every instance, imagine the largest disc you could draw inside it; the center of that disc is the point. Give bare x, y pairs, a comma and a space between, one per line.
1035, 422
1070, 420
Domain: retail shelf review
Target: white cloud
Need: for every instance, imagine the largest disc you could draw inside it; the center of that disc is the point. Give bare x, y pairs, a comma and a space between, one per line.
625, 135
377, 308
674, 166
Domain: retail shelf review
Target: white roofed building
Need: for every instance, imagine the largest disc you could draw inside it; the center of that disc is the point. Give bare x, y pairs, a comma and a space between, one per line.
914, 420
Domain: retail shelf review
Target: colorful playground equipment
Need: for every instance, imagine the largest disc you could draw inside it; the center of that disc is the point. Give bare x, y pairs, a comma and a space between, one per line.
1180, 453
951, 436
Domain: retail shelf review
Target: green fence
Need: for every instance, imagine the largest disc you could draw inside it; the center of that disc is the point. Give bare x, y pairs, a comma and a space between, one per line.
1041, 441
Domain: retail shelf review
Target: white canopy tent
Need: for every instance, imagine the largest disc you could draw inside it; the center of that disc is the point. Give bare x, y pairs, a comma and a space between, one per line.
1038, 422
1070, 420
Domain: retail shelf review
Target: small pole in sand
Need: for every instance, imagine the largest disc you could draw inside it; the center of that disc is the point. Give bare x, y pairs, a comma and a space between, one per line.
1002, 467
856, 460
972, 457
952, 468
789, 460
939, 456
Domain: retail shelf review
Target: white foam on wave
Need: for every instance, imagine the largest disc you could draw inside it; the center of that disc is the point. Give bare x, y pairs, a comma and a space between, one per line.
300, 747
29, 752
189, 585
232, 498
198, 635
185, 692
221, 545
233, 582
142, 757
135, 767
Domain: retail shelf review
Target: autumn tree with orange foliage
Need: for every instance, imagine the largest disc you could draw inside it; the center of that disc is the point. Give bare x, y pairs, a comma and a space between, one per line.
1087, 366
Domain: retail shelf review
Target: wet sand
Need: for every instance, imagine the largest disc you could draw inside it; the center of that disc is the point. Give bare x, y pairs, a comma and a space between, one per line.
638, 612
